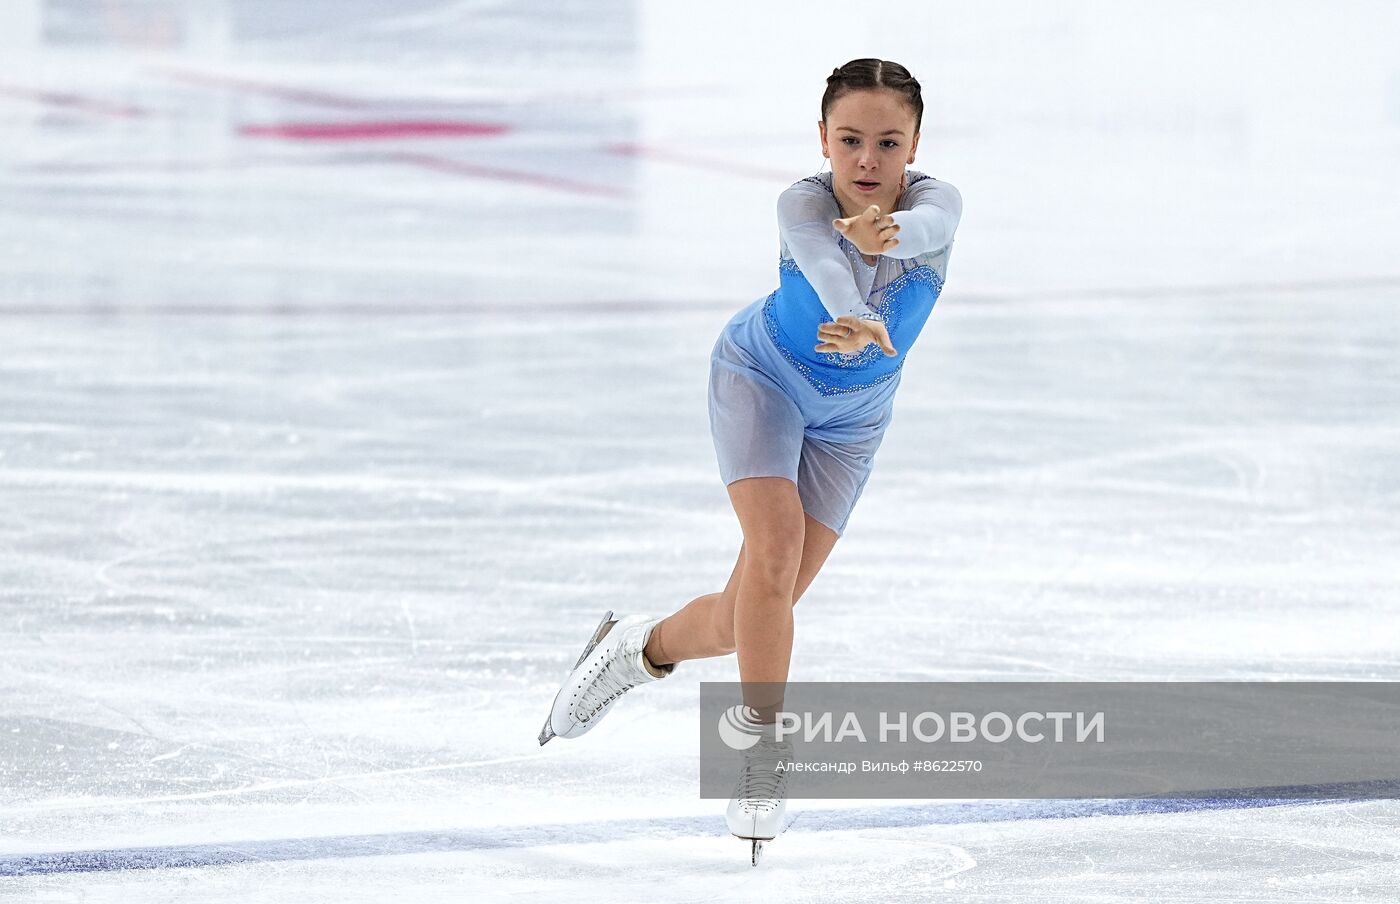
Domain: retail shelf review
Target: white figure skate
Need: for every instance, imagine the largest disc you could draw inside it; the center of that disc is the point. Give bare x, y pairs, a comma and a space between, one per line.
760, 797
612, 664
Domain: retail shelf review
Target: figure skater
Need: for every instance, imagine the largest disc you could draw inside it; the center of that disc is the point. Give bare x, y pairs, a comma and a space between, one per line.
802, 386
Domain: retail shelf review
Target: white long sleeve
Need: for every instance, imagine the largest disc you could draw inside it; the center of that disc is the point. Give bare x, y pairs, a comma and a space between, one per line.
805, 213
928, 225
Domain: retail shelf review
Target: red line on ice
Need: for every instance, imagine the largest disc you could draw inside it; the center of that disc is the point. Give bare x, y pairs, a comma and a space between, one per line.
249, 86
371, 131
425, 161
458, 168
724, 166
74, 102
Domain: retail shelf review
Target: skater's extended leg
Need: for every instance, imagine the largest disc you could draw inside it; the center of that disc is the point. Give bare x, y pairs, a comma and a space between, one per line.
705, 626
695, 632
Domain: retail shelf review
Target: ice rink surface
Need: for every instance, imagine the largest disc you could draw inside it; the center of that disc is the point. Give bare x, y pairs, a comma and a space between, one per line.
353, 361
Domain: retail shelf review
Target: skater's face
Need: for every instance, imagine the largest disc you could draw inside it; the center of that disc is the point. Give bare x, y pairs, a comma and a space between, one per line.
869, 136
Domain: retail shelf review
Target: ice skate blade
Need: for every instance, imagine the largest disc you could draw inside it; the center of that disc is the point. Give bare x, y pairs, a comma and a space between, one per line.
547, 733
598, 634
757, 840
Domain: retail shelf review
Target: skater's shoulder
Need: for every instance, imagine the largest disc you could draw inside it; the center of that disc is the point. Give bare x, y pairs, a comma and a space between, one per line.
818, 183
808, 200
921, 188
925, 182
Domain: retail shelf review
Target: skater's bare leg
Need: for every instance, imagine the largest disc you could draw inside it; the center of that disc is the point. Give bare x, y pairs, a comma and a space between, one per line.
770, 514
705, 626
694, 632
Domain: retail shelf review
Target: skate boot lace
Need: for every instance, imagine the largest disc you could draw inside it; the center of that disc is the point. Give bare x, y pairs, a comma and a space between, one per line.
761, 785
612, 682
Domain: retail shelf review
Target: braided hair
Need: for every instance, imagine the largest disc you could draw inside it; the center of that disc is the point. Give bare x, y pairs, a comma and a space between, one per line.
863, 74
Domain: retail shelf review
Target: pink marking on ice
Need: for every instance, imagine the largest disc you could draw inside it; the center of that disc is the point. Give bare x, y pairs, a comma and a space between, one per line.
374, 130
110, 166
74, 102
423, 161
345, 101
698, 162
285, 92
458, 168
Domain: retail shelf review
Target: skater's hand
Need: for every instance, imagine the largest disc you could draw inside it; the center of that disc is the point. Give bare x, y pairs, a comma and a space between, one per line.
849, 334
872, 232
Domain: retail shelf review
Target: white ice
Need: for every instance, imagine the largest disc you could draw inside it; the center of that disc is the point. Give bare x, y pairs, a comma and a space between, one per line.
322, 446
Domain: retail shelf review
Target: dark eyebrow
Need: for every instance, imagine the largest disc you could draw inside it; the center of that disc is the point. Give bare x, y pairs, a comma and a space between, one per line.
858, 131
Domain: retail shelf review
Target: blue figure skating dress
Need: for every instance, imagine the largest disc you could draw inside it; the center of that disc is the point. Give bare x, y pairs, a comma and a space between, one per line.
778, 407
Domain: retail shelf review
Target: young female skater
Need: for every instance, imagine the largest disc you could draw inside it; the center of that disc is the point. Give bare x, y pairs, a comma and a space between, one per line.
802, 387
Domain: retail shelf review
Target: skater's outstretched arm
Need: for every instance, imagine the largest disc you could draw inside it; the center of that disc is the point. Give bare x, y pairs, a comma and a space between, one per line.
929, 224
804, 219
